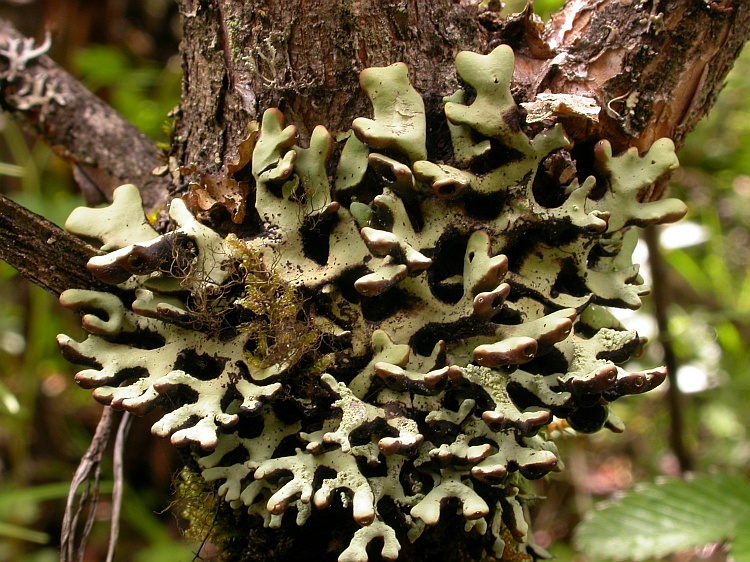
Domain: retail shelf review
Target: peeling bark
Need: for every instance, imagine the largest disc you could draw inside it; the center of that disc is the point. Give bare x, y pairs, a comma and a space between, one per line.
655, 67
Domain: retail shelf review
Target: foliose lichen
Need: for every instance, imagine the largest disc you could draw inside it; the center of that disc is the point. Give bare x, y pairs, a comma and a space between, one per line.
400, 332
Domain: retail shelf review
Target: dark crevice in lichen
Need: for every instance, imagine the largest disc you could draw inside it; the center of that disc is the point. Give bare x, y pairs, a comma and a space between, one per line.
447, 263
129, 375
547, 190
589, 419
484, 207
498, 156
247, 428
425, 339
508, 317
199, 365
145, 339
385, 305
583, 156
315, 239
569, 281
551, 363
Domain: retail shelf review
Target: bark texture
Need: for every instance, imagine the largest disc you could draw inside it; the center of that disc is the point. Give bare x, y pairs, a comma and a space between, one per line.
44, 253
106, 150
304, 57
654, 67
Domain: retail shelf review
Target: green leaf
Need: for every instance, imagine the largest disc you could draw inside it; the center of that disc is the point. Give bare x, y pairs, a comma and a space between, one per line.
11, 170
9, 497
21, 533
101, 65
658, 519
689, 269
739, 548
167, 551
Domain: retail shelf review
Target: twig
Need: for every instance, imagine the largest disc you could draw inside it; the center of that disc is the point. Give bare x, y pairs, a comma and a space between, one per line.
207, 535
44, 253
117, 490
87, 473
77, 125
675, 398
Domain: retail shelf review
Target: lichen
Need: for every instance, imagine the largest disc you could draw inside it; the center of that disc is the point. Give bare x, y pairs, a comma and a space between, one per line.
399, 332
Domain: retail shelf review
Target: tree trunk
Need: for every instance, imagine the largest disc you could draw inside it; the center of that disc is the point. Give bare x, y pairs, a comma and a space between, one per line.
652, 68
304, 57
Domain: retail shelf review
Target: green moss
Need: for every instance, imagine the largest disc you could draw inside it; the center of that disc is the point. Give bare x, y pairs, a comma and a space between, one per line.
280, 330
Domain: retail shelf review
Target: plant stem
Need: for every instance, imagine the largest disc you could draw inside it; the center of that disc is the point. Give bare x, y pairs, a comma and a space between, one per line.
675, 399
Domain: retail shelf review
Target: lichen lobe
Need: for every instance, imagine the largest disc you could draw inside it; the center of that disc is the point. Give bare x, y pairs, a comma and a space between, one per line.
397, 339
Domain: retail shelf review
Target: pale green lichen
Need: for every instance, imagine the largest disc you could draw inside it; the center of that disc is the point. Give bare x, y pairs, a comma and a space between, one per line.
399, 121
398, 330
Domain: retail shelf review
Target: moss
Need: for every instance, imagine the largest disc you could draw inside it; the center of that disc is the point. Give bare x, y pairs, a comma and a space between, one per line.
280, 330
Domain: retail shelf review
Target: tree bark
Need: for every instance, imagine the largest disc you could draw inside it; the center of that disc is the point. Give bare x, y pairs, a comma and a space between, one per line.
653, 67
44, 253
105, 149
304, 57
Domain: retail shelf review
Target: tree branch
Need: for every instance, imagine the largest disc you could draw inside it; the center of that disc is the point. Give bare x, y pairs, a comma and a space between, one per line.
654, 66
660, 297
107, 150
44, 253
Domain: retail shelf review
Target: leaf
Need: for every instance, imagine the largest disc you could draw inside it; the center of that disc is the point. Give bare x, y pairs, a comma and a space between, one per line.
689, 269
167, 551
740, 546
11, 497
10, 531
659, 519
11, 170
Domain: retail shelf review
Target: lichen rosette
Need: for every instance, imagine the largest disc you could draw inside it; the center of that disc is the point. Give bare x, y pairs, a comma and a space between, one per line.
398, 330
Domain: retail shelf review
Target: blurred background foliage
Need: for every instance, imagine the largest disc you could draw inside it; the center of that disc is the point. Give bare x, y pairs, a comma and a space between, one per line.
126, 51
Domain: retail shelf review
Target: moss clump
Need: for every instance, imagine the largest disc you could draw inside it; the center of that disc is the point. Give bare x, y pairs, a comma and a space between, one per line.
279, 330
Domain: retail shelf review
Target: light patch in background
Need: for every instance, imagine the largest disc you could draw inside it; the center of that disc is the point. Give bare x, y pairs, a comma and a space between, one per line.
703, 373
693, 378
9, 401
641, 322
640, 258
683, 235
12, 343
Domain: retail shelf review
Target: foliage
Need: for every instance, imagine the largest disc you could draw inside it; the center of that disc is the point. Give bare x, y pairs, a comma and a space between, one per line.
145, 92
655, 520
716, 272
709, 329
45, 427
